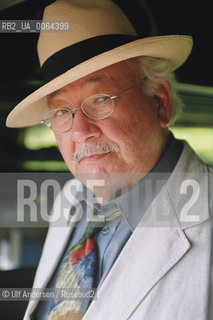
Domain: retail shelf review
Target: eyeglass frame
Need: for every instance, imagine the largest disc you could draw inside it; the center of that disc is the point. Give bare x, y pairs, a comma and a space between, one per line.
74, 109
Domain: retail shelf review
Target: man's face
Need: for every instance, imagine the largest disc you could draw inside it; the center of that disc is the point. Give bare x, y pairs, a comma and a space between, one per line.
135, 127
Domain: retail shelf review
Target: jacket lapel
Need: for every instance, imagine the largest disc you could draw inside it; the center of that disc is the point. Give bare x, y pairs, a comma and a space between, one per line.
148, 255
156, 245
54, 247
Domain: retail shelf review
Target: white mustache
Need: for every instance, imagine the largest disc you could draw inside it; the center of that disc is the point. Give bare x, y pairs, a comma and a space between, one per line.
94, 148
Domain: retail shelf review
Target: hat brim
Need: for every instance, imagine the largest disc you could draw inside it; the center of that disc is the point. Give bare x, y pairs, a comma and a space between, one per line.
173, 48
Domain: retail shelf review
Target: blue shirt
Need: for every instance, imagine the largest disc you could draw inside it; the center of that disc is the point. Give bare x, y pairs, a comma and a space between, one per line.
113, 236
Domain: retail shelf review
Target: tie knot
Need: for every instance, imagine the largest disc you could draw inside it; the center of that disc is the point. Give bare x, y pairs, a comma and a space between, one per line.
97, 218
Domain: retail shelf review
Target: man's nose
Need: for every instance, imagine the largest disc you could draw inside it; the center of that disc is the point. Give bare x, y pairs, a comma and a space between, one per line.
83, 128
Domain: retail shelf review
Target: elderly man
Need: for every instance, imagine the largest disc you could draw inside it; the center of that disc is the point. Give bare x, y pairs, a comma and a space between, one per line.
109, 98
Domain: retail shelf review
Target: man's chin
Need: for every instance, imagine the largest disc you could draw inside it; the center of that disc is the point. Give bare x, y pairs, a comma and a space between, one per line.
108, 185
95, 174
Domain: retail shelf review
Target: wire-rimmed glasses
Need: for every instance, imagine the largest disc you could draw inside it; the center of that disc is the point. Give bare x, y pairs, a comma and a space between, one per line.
98, 106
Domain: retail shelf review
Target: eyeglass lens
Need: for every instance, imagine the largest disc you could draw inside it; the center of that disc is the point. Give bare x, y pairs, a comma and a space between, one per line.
98, 106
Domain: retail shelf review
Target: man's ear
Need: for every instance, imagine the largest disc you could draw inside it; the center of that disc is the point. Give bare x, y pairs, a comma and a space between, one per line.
163, 97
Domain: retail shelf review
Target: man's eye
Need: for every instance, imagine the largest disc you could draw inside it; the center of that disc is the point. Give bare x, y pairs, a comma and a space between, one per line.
102, 99
60, 113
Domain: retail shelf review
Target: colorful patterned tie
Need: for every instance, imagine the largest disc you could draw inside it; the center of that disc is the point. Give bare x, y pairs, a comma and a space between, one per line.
77, 272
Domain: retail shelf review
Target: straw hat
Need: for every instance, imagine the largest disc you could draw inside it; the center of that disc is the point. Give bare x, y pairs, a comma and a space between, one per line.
100, 35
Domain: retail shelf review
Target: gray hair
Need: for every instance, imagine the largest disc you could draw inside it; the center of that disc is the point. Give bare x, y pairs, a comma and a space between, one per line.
156, 71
